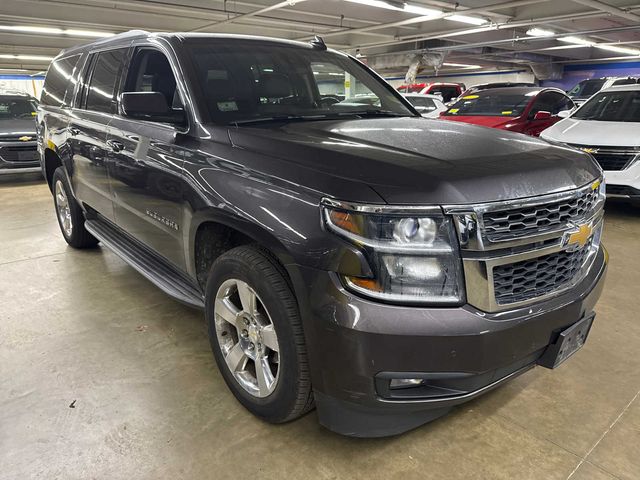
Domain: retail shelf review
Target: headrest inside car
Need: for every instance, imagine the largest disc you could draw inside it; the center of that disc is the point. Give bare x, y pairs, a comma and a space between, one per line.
275, 85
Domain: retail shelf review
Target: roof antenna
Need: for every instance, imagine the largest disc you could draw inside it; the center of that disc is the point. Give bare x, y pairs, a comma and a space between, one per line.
318, 43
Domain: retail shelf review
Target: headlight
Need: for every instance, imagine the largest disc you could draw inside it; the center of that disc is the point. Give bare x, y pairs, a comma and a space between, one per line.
413, 253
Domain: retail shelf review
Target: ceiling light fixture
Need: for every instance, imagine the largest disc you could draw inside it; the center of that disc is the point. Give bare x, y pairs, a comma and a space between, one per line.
43, 58
460, 65
576, 40
614, 48
540, 32
400, 7
467, 19
55, 31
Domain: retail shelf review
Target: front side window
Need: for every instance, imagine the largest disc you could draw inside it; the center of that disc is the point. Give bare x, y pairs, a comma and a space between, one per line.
552, 102
150, 71
250, 81
611, 107
16, 107
58, 81
490, 103
426, 104
102, 85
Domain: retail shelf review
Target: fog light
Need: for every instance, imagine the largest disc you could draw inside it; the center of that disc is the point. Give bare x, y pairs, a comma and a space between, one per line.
405, 382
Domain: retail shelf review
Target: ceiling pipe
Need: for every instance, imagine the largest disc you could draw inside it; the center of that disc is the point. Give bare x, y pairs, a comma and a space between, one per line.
618, 12
270, 8
503, 26
422, 19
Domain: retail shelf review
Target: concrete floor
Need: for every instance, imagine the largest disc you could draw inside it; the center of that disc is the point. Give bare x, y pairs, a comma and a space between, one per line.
83, 327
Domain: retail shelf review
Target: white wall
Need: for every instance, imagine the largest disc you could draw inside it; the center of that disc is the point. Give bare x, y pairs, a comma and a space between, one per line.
470, 80
32, 86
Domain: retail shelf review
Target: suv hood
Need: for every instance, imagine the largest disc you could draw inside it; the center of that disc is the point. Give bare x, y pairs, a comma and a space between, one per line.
17, 126
591, 132
421, 161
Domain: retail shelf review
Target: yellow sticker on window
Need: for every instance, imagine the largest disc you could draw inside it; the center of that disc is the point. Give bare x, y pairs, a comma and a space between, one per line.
347, 84
507, 112
471, 97
33, 114
453, 110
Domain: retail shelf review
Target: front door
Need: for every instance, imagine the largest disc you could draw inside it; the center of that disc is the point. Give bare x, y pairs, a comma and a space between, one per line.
145, 164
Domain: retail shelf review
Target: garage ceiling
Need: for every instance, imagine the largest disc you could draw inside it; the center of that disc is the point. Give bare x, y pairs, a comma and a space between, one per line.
32, 31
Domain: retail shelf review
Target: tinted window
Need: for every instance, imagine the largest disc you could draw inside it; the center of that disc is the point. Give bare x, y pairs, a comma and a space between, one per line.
552, 102
586, 88
150, 71
59, 77
104, 79
16, 107
489, 103
249, 81
447, 93
611, 107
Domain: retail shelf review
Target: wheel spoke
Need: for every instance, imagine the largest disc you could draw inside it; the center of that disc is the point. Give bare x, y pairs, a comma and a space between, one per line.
236, 358
264, 375
247, 298
226, 311
269, 337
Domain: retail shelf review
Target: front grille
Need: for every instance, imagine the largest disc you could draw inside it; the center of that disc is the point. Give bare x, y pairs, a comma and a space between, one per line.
528, 279
612, 158
19, 153
531, 220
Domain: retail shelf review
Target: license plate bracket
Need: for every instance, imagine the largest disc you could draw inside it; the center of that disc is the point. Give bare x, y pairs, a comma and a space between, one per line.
569, 341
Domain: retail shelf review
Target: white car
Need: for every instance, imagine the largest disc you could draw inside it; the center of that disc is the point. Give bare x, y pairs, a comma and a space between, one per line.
608, 127
428, 105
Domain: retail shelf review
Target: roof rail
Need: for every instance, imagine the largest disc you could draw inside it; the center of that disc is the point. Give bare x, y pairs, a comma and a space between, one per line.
100, 41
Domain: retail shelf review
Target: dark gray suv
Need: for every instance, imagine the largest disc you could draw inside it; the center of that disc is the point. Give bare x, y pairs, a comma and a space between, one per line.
348, 254
18, 151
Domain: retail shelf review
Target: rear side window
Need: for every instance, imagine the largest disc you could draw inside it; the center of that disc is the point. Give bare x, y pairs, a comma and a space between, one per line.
58, 81
101, 89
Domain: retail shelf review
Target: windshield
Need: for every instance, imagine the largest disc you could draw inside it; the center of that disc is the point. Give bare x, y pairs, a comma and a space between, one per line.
611, 107
16, 107
248, 81
491, 104
586, 88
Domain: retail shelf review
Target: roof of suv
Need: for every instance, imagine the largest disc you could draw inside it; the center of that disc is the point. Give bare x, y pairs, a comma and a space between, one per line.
134, 34
622, 88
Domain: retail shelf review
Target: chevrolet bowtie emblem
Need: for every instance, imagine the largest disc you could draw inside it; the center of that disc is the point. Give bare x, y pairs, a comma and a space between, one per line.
590, 150
25, 138
581, 237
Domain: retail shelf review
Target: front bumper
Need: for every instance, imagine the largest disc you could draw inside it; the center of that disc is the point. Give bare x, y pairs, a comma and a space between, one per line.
356, 346
11, 161
624, 184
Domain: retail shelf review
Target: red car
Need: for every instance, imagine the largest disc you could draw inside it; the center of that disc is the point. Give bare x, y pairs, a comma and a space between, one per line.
528, 110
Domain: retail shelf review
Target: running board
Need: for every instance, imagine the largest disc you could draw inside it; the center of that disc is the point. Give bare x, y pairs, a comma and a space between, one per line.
163, 275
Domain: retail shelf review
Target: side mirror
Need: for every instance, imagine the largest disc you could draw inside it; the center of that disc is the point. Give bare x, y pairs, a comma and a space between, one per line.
564, 113
151, 106
542, 115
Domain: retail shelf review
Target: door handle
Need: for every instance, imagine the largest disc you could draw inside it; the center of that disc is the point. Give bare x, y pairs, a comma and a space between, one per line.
74, 131
115, 145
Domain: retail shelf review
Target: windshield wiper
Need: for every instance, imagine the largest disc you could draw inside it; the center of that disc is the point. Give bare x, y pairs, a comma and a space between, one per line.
280, 118
373, 113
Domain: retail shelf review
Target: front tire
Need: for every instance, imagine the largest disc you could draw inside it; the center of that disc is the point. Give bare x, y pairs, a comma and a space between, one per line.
69, 214
256, 335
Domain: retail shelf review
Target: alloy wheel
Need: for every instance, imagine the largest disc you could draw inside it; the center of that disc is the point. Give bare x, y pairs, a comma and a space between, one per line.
247, 338
63, 209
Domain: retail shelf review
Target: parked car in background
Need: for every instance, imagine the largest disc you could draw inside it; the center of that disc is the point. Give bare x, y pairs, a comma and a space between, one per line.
428, 105
446, 91
18, 141
488, 86
586, 88
608, 127
525, 110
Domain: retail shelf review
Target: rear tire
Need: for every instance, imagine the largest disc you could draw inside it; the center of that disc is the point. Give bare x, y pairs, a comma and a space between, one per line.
69, 214
254, 327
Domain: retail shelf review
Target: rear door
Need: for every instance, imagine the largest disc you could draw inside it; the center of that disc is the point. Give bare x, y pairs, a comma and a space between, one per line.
145, 165
95, 106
